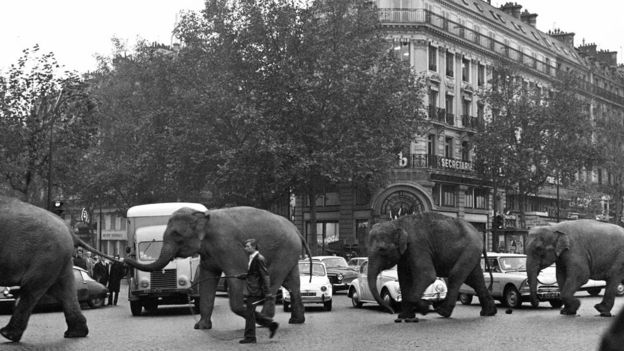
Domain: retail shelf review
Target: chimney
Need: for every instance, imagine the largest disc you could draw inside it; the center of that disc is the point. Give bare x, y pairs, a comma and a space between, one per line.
512, 9
566, 38
609, 58
529, 18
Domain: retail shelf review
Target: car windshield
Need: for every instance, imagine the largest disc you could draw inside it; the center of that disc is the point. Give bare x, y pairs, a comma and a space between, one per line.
335, 262
149, 250
516, 264
318, 269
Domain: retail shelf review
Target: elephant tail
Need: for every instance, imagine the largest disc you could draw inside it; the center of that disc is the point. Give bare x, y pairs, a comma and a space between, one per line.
488, 268
307, 249
79, 242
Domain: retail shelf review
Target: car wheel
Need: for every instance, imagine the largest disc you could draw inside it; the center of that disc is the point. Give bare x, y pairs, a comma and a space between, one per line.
556, 303
355, 299
512, 297
96, 302
286, 306
387, 298
465, 299
620, 290
136, 307
594, 291
327, 305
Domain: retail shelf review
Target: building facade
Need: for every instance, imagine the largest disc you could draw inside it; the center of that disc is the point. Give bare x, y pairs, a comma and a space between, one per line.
456, 44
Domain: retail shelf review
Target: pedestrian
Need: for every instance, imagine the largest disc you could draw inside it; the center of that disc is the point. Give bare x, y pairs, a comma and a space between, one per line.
100, 270
258, 290
116, 272
90, 263
79, 259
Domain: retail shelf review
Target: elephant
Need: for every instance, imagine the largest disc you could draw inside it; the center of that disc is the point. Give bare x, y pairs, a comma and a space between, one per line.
424, 246
36, 248
582, 249
218, 237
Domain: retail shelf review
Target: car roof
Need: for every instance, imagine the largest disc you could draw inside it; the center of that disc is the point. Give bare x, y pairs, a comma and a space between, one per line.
323, 257
504, 254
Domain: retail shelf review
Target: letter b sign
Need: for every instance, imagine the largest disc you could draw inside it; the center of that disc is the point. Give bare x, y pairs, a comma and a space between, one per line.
402, 160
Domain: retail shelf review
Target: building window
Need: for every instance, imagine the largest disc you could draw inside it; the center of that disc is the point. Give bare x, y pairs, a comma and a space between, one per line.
465, 151
326, 232
450, 117
433, 58
433, 104
445, 195
431, 144
123, 224
329, 198
465, 69
480, 111
481, 75
450, 58
448, 147
477, 198
402, 50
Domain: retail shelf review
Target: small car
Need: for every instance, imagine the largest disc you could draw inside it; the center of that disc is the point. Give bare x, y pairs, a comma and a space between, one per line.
593, 287
339, 272
316, 291
510, 282
389, 288
89, 291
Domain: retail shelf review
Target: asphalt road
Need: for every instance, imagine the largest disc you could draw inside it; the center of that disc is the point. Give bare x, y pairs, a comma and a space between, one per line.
344, 328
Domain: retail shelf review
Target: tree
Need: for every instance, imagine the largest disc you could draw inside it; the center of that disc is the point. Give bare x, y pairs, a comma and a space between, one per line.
610, 142
46, 123
532, 135
327, 101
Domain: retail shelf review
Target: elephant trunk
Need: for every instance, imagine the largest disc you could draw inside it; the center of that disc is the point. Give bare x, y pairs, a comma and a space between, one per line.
374, 269
166, 255
533, 270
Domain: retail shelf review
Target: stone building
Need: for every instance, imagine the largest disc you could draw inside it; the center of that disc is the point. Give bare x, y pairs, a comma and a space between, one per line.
455, 43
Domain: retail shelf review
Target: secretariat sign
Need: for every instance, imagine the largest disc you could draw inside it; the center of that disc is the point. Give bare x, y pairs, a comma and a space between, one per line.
454, 164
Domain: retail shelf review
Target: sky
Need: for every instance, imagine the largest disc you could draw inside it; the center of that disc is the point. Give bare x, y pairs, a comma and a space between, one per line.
76, 30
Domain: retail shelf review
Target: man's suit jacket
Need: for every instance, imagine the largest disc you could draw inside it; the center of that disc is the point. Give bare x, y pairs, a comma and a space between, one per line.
258, 281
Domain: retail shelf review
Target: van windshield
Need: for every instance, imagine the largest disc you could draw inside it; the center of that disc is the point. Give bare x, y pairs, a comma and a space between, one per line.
149, 250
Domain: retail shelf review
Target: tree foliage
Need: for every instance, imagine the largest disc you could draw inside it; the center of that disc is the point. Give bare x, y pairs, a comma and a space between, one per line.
534, 133
46, 124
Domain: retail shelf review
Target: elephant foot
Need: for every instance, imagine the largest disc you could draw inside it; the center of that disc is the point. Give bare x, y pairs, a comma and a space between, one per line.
12, 334
489, 311
202, 324
294, 320
79, 332
445, 310
604, 311
423, 307
406, 320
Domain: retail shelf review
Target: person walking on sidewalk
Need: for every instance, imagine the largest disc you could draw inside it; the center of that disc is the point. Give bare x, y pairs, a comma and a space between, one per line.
258, 290
117, 271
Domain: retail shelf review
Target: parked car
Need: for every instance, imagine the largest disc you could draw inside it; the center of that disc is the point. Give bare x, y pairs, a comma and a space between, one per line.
356, 262
317, 290
339, 272
593, 287
389, 289
510, 282
89, 292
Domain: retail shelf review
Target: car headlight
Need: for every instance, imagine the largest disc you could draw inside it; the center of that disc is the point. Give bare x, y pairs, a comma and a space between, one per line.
340, 277
323, 288
183, 280
144, 283
524, 286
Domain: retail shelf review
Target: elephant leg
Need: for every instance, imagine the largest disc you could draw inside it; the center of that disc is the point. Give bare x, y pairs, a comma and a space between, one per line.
456, 277
237, 300
420, 278
293, 282
207, 292
63, 290
568, 286
22, 311
605, 306
477, 282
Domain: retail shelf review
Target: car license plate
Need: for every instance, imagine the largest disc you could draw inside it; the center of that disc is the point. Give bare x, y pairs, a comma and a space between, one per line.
549, 296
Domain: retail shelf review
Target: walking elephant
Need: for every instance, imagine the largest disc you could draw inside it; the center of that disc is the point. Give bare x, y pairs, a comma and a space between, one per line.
218, 236
613, 338
424, 246
36, 249
582, 250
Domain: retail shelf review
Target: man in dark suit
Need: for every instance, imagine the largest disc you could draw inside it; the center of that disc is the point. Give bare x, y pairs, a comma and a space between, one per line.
100, 270
258, 290
117, 271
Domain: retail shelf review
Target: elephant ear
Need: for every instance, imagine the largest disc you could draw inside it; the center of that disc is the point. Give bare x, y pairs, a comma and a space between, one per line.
562, 243
400, 237
201, 218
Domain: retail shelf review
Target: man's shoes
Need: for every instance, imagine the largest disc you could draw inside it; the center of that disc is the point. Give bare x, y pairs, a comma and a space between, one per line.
248, 341
272, 329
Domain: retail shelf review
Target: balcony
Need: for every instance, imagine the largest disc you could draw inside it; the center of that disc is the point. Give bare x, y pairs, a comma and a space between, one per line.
450, 119
439, 162
471, 122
